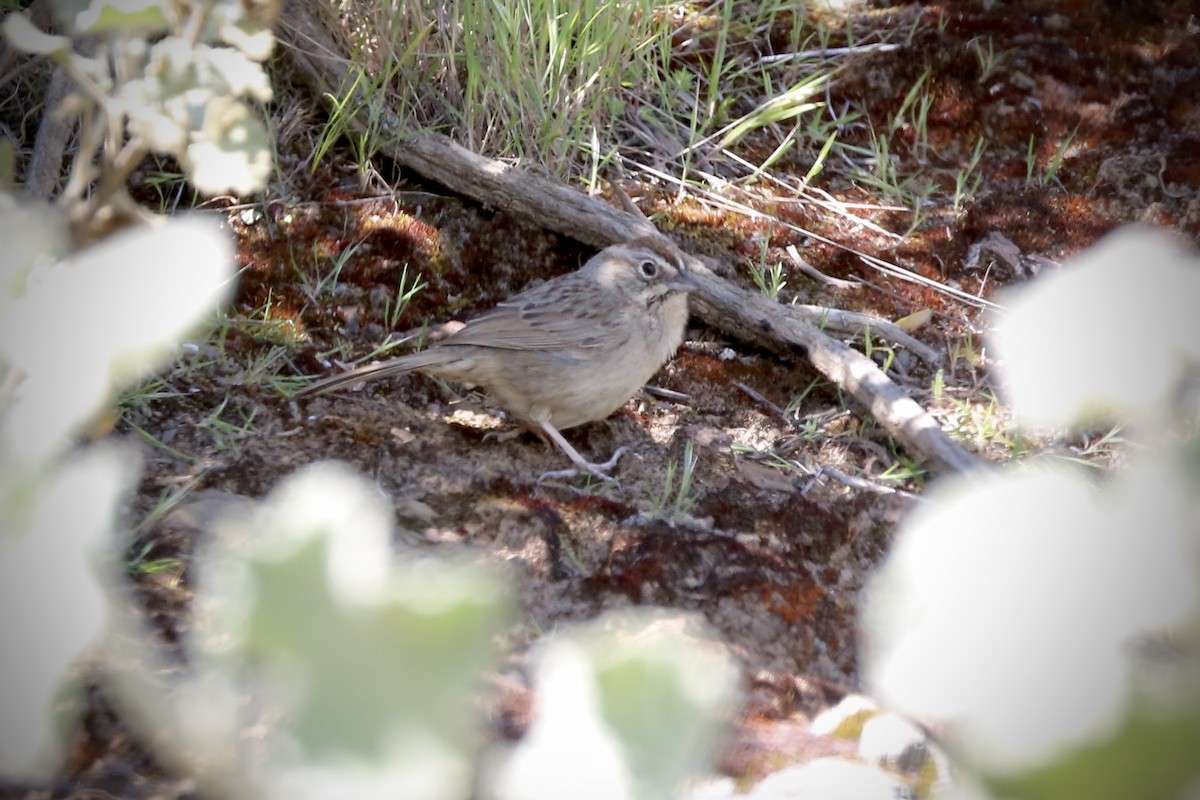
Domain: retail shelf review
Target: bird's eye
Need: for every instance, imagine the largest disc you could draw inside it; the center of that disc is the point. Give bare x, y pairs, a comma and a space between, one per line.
648, 269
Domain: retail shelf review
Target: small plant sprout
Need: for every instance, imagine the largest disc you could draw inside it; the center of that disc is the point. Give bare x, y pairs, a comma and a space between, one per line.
912, 30
323, 283
676, 500
869, 349
1060, 152
769, 280
914, 111
903, 470
1030, 161
818, 164
983, 421
963, 350
1050, 173
792, 410
405, 292
170, 186
351, 103
988, 59
967, 181
226, 432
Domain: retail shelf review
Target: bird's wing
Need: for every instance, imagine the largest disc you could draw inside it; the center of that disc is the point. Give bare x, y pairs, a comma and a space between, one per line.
558, 317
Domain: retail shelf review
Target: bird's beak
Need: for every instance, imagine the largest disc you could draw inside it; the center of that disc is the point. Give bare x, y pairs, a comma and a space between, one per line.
684, 282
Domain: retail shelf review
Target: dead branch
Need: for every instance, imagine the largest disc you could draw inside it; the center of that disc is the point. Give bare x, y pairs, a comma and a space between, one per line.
745, 315
46, 163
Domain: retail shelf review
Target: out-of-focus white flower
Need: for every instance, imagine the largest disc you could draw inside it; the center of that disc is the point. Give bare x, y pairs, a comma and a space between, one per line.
34, 235
111, 314
367, 660
51, 603
76, 330
629, 707
1108, 336
826, 779
569, 751
1008, 602
231, 152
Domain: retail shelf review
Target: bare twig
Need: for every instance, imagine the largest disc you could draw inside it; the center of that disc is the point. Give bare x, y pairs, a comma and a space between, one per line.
46, 163
814, 273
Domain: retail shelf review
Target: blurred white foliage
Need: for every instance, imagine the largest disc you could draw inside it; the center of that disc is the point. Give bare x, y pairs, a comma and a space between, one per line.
86, 327
364, 663
34, 235
72, 334
1015, 602
569, 750
24, 34
178, 78
1007, 604
1108, 336
77, 328
230, 152
188, 103
829, 778
118, 16
51, 604
629, 706
362, 667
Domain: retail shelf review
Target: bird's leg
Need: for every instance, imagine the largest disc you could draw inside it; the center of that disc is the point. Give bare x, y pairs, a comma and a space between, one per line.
505, 436
599, 470
523, 426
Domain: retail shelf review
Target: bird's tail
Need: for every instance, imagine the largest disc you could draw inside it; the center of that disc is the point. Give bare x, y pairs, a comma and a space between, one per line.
371, 372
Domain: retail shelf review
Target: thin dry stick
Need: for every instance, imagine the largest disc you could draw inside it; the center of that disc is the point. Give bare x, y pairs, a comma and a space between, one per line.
54, 132
743, 314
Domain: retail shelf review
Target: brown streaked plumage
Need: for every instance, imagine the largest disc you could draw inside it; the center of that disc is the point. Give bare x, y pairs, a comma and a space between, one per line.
568, 351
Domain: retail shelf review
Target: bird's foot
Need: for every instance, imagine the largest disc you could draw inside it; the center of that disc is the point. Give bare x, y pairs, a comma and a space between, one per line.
582, 465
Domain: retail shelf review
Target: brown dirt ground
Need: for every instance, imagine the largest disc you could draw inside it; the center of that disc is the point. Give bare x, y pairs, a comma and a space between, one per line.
773, 559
